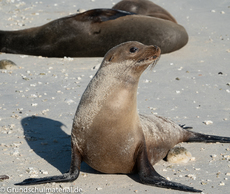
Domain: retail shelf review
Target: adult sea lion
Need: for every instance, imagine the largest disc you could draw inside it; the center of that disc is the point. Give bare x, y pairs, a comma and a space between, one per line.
92, 34
109, 134
144, 7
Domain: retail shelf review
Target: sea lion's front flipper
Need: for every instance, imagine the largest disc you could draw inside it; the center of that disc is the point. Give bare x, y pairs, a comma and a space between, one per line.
149, 176
67, 177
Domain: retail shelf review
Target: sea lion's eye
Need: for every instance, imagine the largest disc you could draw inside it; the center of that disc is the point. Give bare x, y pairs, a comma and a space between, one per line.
133, 49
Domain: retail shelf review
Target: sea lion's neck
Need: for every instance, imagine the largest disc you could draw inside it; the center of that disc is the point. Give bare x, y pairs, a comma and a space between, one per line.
109, 91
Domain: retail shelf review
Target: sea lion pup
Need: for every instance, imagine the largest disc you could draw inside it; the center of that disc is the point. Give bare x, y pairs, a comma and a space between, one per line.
92, 34
109, 134
144, 7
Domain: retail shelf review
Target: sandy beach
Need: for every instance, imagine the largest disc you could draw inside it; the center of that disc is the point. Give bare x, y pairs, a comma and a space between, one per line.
191, 86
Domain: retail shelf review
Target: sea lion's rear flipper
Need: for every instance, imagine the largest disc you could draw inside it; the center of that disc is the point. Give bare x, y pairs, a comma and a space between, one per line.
149, 176
67, 177
199, 137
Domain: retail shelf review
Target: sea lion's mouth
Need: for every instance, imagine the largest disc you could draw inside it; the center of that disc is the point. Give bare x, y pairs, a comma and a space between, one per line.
153, 58
148, 58
153, 64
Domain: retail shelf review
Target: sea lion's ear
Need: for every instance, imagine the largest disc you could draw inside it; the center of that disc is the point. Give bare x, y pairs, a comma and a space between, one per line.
111, 58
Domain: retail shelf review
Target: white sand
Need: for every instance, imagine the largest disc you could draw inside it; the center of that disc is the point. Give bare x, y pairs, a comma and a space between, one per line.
51, 88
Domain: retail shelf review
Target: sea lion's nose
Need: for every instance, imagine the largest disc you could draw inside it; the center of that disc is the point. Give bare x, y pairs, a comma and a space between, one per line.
156, 48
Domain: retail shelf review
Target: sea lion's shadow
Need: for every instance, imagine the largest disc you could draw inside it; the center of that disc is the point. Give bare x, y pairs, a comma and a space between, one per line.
47, 139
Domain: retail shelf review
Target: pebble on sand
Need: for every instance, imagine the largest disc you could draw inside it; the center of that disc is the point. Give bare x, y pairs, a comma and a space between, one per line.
208, 122
7, 64
179, 155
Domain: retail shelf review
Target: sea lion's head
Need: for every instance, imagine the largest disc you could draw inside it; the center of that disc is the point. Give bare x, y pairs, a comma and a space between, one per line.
132, 57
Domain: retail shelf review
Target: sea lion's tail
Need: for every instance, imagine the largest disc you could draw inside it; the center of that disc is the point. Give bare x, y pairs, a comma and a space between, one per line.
199, 137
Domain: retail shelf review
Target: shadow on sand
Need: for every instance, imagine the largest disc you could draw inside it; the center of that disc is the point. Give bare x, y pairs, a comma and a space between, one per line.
48, 140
